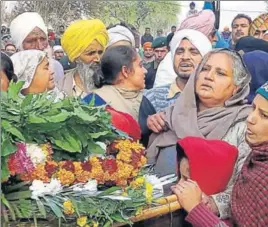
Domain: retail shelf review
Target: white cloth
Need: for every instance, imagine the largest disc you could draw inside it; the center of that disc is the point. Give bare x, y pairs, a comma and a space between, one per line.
22, 26
57, 48
165, 73
25, 64
120, 33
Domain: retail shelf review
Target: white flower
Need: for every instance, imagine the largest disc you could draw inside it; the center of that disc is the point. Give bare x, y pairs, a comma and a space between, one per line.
35, 153
91, 186
40, 189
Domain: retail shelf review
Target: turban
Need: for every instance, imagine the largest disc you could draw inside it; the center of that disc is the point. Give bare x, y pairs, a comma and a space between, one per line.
25, 64
147, 45
198, 39
261, 20
120, 33
57, 48
79, 35
203, 22
263, 90
23, 25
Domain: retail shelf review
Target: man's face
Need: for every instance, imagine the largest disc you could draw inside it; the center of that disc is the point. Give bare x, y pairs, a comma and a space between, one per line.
160, 53
147, 31
58, 54
10, 49
186, 58
173, 29
240, 28
61, 29
148, 52
159, 32
36, 40
3, 28
260, 32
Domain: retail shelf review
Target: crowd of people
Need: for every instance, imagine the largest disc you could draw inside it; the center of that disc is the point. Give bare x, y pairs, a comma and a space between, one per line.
197, 99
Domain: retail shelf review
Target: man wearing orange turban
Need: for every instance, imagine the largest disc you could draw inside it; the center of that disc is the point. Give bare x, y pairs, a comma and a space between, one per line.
84, 42
148, 57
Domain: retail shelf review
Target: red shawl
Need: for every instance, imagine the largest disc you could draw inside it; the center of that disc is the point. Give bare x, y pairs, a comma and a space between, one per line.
250, 193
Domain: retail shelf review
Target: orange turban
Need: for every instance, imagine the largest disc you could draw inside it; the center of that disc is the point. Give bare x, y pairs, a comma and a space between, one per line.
147, 45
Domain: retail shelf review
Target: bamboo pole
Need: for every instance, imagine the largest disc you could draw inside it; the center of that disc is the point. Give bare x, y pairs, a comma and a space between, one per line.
168, 204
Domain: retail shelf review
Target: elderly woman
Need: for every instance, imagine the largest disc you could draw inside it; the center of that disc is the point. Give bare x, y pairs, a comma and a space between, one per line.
256, 62
123, 80
84, 42
7, 72
211, 106
259, 26
32, 66
249, 198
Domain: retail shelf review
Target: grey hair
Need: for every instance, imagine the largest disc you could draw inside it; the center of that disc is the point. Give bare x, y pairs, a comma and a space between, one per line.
240, 72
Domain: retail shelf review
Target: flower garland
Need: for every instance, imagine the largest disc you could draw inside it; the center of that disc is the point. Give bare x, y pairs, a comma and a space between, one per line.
122, 165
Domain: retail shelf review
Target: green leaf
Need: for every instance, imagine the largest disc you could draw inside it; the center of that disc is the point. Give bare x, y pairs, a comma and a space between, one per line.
109, 191
11, 129
35, 119
19, 195
96, 135
27, 100
63, 116
95, 148
4, 169
118, 218
8, 148
56, 210
41, 208
14, 89
6, 203
16, 186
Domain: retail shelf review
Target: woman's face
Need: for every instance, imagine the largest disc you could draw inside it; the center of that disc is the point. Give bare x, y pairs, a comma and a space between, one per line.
184, 169
43, 79
257, 122
4, 81
136, 77
215, 83
92, 54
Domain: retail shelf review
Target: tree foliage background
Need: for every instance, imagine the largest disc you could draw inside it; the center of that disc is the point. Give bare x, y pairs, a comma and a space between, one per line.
154, 14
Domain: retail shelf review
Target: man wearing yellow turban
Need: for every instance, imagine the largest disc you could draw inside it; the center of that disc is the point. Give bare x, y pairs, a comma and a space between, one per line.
84, 42
259, 26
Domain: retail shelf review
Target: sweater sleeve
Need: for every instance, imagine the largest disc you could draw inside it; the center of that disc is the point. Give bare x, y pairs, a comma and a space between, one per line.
200, 216
236, 137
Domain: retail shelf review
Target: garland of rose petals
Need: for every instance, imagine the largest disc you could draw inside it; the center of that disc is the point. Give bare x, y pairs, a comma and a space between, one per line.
125, 159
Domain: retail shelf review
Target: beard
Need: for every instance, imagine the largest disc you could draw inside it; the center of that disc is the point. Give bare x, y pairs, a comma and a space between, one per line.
183, 76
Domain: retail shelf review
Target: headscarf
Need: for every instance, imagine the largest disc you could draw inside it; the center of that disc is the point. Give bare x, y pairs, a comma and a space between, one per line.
23, 25
165, 72
25, 64
249, 197
249, 43
203, 22
261, 20
79, 35
120, 33
183, 120
257, 64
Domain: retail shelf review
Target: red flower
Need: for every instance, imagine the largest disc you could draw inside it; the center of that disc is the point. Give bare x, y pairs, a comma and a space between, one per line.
86, 166
68, 165
51, 167
135, 159
109, 165
111, 149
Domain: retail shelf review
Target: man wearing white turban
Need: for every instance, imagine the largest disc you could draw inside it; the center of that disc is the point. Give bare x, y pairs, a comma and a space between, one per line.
187, 49
29, 32
120, 35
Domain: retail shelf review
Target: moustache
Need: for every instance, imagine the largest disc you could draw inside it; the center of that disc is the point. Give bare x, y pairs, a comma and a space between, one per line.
239, 33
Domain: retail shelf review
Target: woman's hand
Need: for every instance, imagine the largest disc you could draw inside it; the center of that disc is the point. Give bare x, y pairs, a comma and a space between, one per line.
189, 194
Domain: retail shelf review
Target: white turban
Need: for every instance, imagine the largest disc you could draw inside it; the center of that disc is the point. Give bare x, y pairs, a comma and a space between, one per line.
57, 48
23, 25
120, 33
165, 73
25, 64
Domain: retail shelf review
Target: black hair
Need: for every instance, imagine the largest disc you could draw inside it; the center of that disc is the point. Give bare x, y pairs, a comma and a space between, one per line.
180, 155
147, 28
174, 26
7, 67
241, 15
113, 60
61, 26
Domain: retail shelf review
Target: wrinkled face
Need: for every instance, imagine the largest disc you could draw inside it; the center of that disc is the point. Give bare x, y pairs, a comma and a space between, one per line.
184, 169
37, 40
186, 58
10, 49
4, 81
135, 78
160, 53
148, 52
92, 54
43, 79
257, 122
58, 54
215, 83
259, 34
240, 28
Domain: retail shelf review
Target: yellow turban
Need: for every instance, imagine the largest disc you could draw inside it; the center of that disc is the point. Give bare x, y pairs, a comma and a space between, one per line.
79, 35
261, 20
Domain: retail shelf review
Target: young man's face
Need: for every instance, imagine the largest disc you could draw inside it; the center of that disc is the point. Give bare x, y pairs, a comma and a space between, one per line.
147, 31
240, 28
